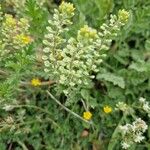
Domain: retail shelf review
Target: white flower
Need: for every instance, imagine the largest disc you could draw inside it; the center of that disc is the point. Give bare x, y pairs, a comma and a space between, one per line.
132, 133
138, 138
47, 63
125, 145
146, 106
140, 125
8, 107
124, 129
72, 84
66, 92
134, 128
46, 50
121, 106
142, 100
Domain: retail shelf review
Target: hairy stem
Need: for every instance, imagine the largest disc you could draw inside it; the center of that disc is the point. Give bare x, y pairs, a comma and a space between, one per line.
67, 109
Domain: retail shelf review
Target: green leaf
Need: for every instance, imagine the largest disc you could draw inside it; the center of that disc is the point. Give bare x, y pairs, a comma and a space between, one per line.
147, 44
140, 66
85, 94
110, 77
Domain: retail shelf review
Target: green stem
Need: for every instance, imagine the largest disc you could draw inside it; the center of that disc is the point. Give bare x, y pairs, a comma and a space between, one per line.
22, 145
113, 140
68, 110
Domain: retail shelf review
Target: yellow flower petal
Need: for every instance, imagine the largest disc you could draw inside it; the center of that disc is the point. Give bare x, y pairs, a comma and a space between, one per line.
107, 109
87, 115
26, 39
35, 82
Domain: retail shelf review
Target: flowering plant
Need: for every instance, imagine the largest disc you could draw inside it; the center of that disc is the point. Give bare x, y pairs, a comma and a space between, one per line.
62, 78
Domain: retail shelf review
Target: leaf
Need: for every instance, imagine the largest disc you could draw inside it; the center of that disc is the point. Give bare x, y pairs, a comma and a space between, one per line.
110, 77
140, 66
85, 94
147, 44
115, 92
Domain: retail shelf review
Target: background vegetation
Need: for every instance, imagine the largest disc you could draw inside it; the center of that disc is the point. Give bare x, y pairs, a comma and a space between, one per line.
38, 122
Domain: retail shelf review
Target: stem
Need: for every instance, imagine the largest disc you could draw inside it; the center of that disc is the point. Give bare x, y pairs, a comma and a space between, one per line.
84, 105
10, 146
112, 143
3, 72
108, 66
42, 83
67, 109
22, 145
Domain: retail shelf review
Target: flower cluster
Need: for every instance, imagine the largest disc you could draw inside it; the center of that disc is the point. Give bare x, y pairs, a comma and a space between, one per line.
132, 133
87, 33
74, 60
145, 105
67, 9
123, 16
14, 35
54, 41
121, 106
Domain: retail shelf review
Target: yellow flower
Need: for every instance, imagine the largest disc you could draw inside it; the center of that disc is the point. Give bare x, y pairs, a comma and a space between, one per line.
26, 39
23, 39
88, 32
107, 109
10, 21
123, 15
35, 82
59, 56
87, 115
66, 7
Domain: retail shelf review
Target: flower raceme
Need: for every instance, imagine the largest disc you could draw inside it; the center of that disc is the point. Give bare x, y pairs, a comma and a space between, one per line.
14, 35
80, 55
